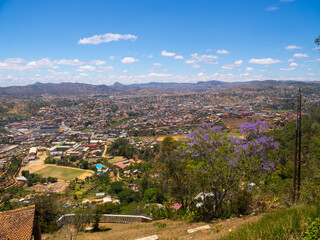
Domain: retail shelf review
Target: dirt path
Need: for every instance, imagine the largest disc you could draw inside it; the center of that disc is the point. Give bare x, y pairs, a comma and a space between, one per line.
105, 151
165, 229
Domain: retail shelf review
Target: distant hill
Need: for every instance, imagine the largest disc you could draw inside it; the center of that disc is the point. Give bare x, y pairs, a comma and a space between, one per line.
61, 89
65, 89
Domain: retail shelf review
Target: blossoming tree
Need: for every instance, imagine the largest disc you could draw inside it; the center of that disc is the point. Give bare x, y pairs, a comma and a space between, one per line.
220, 162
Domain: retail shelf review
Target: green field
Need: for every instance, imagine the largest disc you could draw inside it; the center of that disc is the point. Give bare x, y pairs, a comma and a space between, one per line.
116, 160
62, 173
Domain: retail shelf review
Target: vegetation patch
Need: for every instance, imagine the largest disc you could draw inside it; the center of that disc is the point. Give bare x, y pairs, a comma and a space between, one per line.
293, 223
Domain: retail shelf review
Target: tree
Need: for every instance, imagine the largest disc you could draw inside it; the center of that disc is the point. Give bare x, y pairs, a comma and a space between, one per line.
317, 41
219, 163
153, 195
127, 196
174, 176
80, 220
49, 211
117, 187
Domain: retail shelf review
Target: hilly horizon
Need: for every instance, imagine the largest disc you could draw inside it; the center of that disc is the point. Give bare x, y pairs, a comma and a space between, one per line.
68, 88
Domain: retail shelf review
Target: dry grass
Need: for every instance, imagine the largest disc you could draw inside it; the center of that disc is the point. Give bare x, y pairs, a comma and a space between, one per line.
233, 122
116, 160
165, 229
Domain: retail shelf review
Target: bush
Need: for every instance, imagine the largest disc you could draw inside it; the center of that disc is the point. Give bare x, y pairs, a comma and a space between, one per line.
242, 203
312, 231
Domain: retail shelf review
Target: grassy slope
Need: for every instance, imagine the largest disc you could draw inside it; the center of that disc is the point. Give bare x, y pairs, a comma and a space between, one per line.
165, 229
278, 225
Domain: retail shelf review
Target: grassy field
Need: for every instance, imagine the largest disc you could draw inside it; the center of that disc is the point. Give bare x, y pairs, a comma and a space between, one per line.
286, 223
62, 173
116, 160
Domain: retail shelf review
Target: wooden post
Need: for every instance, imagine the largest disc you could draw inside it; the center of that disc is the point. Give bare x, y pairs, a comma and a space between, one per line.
299, 152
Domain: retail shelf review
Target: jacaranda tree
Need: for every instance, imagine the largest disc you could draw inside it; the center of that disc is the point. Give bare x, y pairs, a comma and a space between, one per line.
220, 163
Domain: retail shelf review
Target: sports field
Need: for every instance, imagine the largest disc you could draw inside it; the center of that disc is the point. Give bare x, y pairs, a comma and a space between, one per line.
63, 173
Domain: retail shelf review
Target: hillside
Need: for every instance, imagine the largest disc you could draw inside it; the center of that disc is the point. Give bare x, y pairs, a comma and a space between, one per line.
65, 89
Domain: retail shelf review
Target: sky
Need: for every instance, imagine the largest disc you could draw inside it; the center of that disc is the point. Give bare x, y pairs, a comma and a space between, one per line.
140, 41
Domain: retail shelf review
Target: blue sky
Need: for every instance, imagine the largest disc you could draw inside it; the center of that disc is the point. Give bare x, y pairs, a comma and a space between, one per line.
138, 41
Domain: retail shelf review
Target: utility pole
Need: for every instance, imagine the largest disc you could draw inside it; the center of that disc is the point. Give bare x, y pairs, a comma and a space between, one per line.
297, 156
299, 152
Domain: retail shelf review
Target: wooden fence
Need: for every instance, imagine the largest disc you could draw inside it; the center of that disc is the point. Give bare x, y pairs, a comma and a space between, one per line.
106, 218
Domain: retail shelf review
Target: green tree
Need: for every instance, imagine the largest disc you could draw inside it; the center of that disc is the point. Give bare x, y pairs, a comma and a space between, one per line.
49, 211
117, 187
153, 195
127, 196
174, 177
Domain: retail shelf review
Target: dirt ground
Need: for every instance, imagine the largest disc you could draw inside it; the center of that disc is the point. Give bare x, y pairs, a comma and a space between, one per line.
36, 165
164, 229
233, 122
58, 187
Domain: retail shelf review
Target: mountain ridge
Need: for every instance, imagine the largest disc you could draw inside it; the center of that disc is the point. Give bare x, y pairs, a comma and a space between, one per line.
39, 89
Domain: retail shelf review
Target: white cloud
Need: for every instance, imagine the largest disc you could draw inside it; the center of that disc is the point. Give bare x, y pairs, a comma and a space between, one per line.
65, 73
287, 69
97, 62
190, 61
311, 74
290, 60
72, 62
249, 69
222, 51
293, 64
195, 66
167, 54
200, 74
314, 60
272, 8
245, 74
112, 57
129, 60
300, 55
208, 59
126, 70
14, 60
106, 68
178, 57
237, 63
86, 68
105, 38
159, 75
292, 47
157, 64
171, 54
83, 75
42, 63
264, 61
316, 48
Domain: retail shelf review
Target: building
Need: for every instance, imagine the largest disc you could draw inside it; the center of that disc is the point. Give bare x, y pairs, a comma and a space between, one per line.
33, 151
20, 224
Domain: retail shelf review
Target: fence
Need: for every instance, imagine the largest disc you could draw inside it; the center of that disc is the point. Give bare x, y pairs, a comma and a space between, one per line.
106, 218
